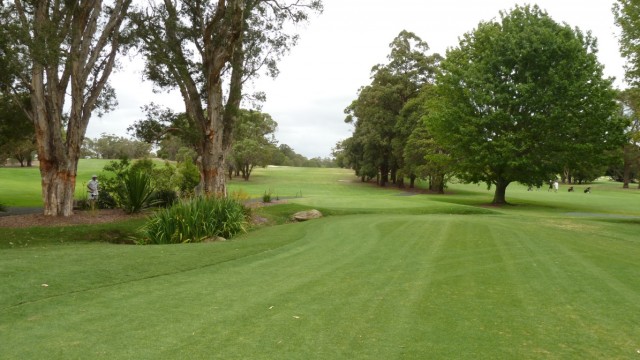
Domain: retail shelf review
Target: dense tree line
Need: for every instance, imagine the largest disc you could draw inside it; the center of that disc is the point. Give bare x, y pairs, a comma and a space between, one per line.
520, 99
109, 146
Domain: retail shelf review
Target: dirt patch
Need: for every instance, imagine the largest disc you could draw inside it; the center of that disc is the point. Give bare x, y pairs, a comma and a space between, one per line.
78, 218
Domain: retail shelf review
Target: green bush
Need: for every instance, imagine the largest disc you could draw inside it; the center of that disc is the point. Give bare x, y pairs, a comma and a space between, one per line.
115, 192
106, 201
266, 198
135, 193
189, 176
165, 197
195, 220
3, 208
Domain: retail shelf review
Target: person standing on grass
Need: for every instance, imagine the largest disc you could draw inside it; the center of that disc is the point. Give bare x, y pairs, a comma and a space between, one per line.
555, 185
92, 187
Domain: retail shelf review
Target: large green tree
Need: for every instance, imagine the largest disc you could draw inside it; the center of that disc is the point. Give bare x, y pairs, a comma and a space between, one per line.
61, 53
208, 50
519, 97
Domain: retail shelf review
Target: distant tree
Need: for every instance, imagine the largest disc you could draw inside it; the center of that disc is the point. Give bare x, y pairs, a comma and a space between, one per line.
254, 134
519, 97
109, 146
169, 147
17, 136
58, 51
284, 155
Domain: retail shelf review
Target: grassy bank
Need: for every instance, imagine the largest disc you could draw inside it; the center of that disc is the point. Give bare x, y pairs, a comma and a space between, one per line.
386, 275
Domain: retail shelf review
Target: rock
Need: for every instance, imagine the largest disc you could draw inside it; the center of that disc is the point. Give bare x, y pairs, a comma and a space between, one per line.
307, 215
214, 239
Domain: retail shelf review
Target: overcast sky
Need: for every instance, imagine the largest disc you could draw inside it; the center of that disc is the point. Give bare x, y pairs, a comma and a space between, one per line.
337, 49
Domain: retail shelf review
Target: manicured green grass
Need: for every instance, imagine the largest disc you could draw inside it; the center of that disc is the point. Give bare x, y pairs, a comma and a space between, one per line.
20, 187
384, 276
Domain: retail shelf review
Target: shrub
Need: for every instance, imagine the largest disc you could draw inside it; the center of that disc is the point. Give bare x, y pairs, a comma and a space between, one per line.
165, 197
266, 198
114, 192
106, 201
3, 208
195, 220
189, 176
135, 193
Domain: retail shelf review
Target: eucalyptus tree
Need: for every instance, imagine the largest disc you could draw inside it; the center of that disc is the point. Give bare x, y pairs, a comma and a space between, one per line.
208, 50
59, 51
521, 96
375, 113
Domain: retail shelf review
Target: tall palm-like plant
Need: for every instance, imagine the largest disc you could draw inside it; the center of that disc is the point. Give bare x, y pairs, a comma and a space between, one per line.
135, 193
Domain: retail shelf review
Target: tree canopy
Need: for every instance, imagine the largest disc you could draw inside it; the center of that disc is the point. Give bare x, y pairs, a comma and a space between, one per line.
377, 144
208, 50
61, 53
519, 98
627, 17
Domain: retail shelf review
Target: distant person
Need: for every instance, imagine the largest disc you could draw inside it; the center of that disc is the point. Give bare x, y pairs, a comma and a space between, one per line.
555, 186
587, 190
571, 189
92, 188
550, 186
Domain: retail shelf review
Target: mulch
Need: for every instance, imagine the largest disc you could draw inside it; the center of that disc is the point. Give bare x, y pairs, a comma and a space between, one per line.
89, 217
31, 217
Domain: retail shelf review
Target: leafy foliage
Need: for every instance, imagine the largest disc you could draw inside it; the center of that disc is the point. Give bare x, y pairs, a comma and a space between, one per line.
627, 17
209, 49
17, 135
109, 146
136, 192
61, 53
189, 176
377, 145
131, 186
521, 98
195, 220
254, 141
